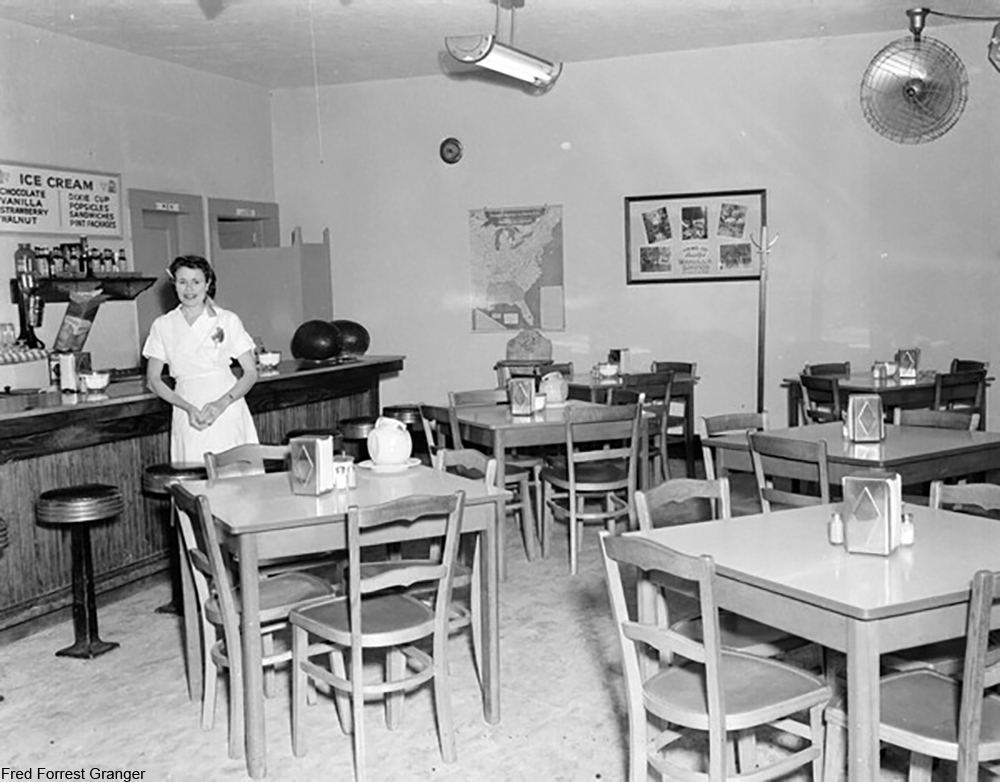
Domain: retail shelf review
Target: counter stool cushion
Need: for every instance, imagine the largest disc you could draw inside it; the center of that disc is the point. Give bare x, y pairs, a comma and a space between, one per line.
79, 504
156, 478
357, 428
408, 414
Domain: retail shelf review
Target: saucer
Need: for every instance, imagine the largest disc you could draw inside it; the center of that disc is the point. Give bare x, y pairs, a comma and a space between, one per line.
368, 464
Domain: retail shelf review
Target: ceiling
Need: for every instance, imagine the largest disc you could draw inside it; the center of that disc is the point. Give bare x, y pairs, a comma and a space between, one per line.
271, 42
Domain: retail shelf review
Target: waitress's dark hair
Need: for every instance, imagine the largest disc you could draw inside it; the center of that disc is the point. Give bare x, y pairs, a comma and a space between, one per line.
195, 262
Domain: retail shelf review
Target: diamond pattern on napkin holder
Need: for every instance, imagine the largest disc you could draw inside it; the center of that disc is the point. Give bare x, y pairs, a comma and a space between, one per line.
311, 464
521, 393
865, 419
907, 362
872, 512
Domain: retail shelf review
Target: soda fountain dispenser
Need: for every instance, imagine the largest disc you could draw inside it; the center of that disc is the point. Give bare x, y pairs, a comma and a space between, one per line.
29, 309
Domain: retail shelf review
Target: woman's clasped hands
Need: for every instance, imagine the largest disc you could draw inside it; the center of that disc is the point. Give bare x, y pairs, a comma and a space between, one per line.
204, 417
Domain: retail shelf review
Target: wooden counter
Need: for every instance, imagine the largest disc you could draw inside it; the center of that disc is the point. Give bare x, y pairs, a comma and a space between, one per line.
51, 440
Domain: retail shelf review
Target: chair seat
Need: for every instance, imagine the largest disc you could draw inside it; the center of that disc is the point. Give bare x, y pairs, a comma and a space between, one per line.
920, 713
946, 657
278, 595
612, 473
742, 634
388, 620
750, 685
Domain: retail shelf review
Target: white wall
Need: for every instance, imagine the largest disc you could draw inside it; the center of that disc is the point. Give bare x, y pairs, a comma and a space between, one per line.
881, 245
66, 103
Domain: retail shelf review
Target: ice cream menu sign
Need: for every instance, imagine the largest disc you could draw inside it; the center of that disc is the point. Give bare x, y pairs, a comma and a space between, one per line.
42, 199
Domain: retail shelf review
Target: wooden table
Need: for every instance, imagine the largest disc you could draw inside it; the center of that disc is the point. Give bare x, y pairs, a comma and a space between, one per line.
779, 568
496, 428
261, 518
911, 393
919, 454
586, 387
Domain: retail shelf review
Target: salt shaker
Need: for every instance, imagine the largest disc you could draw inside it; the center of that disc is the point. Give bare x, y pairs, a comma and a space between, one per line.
907, 531
836, 529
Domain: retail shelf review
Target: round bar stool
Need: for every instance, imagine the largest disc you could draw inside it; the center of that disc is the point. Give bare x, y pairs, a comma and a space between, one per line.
79, 507
355, 432
156, 480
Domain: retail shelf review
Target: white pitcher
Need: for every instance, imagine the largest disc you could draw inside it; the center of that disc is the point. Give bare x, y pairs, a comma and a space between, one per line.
389, 442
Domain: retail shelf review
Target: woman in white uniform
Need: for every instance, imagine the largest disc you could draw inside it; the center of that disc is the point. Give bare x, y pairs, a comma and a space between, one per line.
197, 341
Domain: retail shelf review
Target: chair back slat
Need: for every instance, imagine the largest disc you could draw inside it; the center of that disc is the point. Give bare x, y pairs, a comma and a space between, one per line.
407, 510
768, 452
936, 419
677, 367
820, 398
726, 423
479, 396
247, 459
968, 365
975, 498
840, 368
652, 503
469, 463
963, 390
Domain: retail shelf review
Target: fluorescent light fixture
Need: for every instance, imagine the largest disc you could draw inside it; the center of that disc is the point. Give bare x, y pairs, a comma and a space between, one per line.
487, 52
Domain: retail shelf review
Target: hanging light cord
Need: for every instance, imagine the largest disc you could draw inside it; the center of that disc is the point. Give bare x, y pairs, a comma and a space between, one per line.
319, 113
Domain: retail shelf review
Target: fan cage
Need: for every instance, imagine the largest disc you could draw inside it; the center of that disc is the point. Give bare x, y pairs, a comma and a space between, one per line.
914, 91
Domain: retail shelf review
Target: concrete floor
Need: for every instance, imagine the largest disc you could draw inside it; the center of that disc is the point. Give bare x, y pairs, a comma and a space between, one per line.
563, 712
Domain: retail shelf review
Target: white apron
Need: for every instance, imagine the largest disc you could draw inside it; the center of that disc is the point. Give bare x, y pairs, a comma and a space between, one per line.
199, 356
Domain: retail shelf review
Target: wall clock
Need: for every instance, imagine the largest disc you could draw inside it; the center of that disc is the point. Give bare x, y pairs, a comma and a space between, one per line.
451, 150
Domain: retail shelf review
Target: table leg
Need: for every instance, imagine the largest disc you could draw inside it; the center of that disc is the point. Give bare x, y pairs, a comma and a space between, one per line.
863, 708
490, 612
253, 678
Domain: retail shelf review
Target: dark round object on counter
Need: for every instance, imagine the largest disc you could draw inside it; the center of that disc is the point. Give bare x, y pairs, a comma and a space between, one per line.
317, 340
356, 338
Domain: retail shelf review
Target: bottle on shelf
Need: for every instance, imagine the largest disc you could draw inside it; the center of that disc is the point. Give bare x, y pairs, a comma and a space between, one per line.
122, 260
24, 258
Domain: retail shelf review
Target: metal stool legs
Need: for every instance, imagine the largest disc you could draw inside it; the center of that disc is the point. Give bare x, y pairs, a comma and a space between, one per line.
87, 644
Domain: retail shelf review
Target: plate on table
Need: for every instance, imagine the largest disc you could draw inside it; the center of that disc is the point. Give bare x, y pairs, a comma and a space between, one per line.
368, 464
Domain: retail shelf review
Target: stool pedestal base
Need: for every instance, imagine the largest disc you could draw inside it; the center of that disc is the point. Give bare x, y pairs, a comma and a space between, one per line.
88, 643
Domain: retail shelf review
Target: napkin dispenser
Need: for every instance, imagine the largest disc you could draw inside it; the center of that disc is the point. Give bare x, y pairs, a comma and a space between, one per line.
521, 395
311, 464
873, 504
907, 362
865, 419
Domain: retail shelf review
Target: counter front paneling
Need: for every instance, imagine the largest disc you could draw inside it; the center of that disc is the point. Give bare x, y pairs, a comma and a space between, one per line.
51, 440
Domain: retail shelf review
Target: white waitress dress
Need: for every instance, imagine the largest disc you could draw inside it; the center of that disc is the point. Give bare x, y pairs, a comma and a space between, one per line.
199, 357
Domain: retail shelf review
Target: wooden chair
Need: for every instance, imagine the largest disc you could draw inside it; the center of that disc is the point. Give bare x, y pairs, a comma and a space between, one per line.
219, 607
961, 391
656, 388
807, 458
840, 368
820, 399
936, 716
946, 657
661, 506
968, 365
678, 407
726, 423
257, 459
249, 459
702, 686
520, 471
592, 484
936, 419
376, 614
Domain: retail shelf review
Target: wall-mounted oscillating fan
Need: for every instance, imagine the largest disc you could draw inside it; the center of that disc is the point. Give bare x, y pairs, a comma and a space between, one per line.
915, 89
